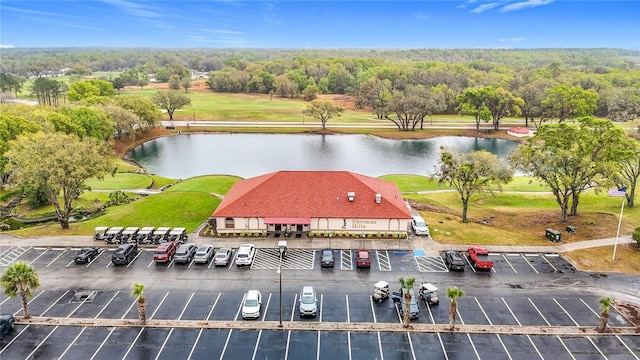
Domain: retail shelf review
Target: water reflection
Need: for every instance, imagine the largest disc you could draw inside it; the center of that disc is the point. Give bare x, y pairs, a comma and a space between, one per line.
248, 155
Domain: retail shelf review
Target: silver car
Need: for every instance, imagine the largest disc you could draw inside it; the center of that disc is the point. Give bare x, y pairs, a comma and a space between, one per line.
308, 302
222, 258
185, 253
204, 254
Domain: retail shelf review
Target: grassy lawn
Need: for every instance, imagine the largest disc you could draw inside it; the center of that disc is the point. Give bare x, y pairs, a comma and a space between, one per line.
217, 184
120, 181
413, 183
596, 259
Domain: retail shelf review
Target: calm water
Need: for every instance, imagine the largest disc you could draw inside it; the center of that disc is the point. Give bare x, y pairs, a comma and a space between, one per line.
248, 155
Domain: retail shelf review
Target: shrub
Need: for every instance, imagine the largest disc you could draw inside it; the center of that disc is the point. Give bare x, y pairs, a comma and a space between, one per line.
636, 235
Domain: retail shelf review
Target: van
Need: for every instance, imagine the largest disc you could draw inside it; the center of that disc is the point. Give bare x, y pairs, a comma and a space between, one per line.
419, 226
124, 254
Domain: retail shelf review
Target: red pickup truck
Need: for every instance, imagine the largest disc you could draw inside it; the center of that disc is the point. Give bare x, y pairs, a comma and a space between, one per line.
479, 258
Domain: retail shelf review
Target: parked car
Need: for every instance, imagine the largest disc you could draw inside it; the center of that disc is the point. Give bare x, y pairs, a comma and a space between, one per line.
454, 260
6, 324
419, 226
308, 302
327, 258
185, 253
222, 258
86, 255
398, 299
245, 254
251, 304
204, 254
124, 254
165, 252
363, 259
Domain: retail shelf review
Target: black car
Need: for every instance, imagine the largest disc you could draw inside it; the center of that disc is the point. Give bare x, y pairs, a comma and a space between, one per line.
124, 254
327, 258
6, 324
86, 255
454, 260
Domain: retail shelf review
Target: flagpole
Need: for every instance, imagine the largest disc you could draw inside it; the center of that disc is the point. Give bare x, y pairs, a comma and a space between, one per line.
618, 232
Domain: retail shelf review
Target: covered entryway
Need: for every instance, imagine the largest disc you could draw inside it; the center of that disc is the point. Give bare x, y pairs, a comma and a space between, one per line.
287, 225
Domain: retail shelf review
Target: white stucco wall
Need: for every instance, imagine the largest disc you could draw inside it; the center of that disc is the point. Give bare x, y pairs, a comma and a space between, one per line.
319, 224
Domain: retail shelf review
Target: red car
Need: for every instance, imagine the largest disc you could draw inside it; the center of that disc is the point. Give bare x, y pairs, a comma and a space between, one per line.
165, 251
363, 260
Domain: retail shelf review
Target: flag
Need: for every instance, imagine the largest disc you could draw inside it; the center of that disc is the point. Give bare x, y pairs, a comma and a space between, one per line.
618, 193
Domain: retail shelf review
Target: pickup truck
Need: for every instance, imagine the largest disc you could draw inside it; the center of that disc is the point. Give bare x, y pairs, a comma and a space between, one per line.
479, 258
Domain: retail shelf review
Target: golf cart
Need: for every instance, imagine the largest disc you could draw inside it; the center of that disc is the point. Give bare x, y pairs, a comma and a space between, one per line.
130, 234
113, 235
178, 234
145, 235
161, 234
380, 291
429, 294
100, 233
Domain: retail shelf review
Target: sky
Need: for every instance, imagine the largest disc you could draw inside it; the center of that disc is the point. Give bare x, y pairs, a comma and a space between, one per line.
321, 24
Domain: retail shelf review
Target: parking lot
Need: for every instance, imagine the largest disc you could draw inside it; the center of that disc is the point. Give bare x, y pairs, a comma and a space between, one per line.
299, 259
27, 342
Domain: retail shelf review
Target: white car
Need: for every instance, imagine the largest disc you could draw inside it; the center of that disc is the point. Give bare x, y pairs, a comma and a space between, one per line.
419, 226
308, 302
251, 304
245, 254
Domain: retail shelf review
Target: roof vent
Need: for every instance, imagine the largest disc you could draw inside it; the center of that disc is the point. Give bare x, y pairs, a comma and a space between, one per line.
351, 195
378, 198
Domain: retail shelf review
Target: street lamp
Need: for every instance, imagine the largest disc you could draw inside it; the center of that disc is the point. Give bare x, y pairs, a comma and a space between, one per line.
282, 248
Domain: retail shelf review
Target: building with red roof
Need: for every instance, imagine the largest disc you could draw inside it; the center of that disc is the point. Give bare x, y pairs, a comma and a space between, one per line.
318, 201
519, 131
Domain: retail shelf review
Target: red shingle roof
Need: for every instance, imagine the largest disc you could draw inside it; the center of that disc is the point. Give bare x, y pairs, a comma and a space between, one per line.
313, 194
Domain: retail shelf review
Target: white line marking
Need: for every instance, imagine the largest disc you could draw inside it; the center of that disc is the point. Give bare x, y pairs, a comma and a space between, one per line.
102, 344
151, 263
318, 347
72, 342
529, 263
413, 352
107, 304
43, 340
185, 306
29, 303
466, 258
52, 305
626, 347
321, 302
512, 268
159, 305
589, 307
473, 346
293, 311
566, 312
539, 312
134, 259
266, 308
14, 339
373, 310
512, 314
535, 347
56, 258
444, 351
97, 256
504, 347
349, 343
380, 346
133, 343
195, 343
77, 307
286, 351
231, 331
596, 346
481, 309
565, 347
548, 262
69, 263
38, 257
255, 349
347, 300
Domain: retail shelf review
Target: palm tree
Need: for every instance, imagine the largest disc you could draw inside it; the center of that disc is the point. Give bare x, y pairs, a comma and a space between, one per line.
20, 279
605, 305
407, 285
453, 294
138, 292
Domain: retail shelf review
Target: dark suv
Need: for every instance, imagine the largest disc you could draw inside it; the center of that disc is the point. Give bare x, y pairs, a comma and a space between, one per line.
454, 260
124, 254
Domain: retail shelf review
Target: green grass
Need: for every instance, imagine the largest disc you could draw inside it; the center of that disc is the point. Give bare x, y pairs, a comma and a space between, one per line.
160, 181
125, 166
218, 184
525, 183
413, 183
120, 181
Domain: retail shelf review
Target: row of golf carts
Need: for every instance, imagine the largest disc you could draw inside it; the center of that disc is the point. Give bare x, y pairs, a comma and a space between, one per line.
145, 235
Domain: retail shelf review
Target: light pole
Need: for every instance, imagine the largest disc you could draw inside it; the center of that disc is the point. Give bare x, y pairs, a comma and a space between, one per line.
621, 193
282, 247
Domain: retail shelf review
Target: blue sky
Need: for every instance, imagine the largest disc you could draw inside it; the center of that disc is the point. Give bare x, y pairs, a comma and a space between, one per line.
321, 24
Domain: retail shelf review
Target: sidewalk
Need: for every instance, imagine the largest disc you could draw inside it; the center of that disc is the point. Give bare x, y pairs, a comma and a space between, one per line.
427, 244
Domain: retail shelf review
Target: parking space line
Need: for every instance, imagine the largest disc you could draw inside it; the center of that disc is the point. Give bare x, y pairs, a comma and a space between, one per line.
627, 347
42, 342
481, 309
94, 259
347, 299
151, 263
413, 352
430, 314
511, 312
596, 346
134, 259
266, 308
504, 347
346, 261
12, 253
444, 351
383, 260
81, 303
30, 301
72, 342
112, 330
38, 257
505, 259
69, 263
159, 305
226, 343
380, 346
549, 262
349, 343
539, 312
132, 343
589, 307
255, 349
466, 258
321, 302
524, 256
565, 347
286, 349
107, 304
52, 261
535, 347
293, 311
372, 309
195, 343
566, 312
473, 346
55, 302
14, 339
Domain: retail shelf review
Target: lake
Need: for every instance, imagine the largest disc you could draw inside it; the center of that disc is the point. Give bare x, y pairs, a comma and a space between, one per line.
248, 155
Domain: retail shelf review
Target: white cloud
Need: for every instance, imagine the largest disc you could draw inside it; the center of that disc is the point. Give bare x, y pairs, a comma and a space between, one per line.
6, 46
485, 7
137, 9
513, 39
421, 15
524, 4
